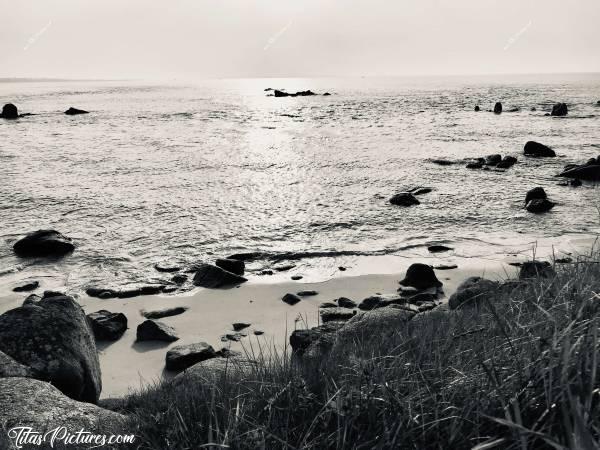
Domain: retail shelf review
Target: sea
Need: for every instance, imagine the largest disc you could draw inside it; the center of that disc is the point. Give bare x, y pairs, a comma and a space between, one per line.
189, 171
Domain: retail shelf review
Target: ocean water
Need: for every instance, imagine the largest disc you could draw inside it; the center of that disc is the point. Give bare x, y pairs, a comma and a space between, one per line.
194, 171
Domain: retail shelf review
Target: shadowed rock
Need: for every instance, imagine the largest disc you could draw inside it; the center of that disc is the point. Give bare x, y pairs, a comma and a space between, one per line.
586, 172
307, 293
54, 338
507, 162
167, 266
438, 248
209, 276
290, 299
536, 269
107, 326
421, 276
74, 111
166, 312
539, 206
560, 109
533, 148
9, 111
472, 291
477, 108
153, 330
183, 356
498, 108
535, 193
492, 160
26, 287
404, 199
231, 265
32, 299
44, 243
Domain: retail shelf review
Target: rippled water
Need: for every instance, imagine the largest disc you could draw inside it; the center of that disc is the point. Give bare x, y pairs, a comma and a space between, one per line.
186, 172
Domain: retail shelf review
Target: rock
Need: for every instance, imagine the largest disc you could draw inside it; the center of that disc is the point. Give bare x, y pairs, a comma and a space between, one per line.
48, 294
179, 279
237, 326
74, 111
181, 357
342, 269
40, 407
336, 314
107, 326
477, 108
296, 277
438, 248
492, 160
26, 287
420, 190
209, 276
278, 93
404, 199
169, 289
539, 206
167, 266
587, 173
576, 182
140, 290
54, 339
258, 332
32, 299
498, 108
472, 291
231, 265
536, 269
290, 299
11, 368
302, 340
250, 256
442, 162
507, 162
166, 312
535, 193
326, 94
421, 276
446, 267
44, 243
533, 148
9, 111
101, 293
153, 330
474, 165
306, 293
560, 109
344, 302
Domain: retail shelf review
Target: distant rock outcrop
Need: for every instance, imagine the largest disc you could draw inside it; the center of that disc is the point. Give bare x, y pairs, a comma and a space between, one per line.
472, 291
560, 109
107, 326
181, 357
209, 276
421, 276
153, 330
231, 265
533, 148
44, 243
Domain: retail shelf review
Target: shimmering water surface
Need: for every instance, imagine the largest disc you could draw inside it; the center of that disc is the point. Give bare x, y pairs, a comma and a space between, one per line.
198, 170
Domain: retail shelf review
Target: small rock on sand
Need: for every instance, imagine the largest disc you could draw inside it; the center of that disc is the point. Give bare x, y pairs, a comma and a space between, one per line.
290, 299
153, 330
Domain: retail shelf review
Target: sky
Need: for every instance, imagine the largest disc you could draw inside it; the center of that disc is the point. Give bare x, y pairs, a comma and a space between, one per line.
188, 39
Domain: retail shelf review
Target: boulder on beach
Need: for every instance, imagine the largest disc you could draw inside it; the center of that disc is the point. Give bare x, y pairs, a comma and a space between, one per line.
290, 299
74, 111
336, 314
165, 312
533, 148
536, 269
498, 108
153, 330
560, 109
209, 276
344, 302
472, 291
535, 193
437, 248
179, 279
539, 206
107, 326
507, 162
404, 199
27, 286
9, 111
32, 299
44, 243
588, 172
492, 160
30, 403
181, 357
54, 338
477, 108
421, 276
231, 265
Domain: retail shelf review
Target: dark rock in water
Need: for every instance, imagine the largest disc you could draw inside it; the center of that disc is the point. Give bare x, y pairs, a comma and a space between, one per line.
9, 111
44, 243
344, 302
538, 206
404, 199
507, 162
326, 94
586, 173
54, 338
535, 193
296, 277
336, 314
209, 276
477, 108
107, 326
278, 93
101, 293
181, 357
290, 299
237, 326
492, 160
179, 278
169, 289
498, 108
266, 272
536, 269
342, 269
39, 406
575, 182
48, 294
420, 190
514, 110
306, 293
32, 299
560, 109
472, 291
74, 111
26, 287
231, 265
250, 256
438, 248
166, 312
533, 148
442, 162
421, 276
152, 330
446, 267
167, 267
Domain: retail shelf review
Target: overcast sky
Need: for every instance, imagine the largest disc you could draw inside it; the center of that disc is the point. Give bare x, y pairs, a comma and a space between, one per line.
247, 38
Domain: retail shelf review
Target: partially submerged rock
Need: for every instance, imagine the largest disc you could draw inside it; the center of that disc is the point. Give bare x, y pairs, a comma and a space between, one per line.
538, 206
307, 293
404, 199
9, 111
344, 302
533, 148
507, 162
153, 330
437, 248
11, 368
54, 339
498, 108
44, 243
74, 111
535, 193
181, 357
167, 266
472, 291
560, 109
588, 172
420, 276
107, 326
291, 299
209, 276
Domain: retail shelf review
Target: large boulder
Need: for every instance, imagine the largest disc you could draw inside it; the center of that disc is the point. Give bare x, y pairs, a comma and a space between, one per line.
536, 269
421, 276
231, 265
53, 338
153, 330
209, 276
588, 172
9, 111
560, 109
107, 326
181, 357
44, 243
535, 193
404, 199
74, 111
472, 291
533, 148
34, 404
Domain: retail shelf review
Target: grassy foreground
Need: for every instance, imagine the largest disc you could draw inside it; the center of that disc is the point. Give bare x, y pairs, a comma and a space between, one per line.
517, 371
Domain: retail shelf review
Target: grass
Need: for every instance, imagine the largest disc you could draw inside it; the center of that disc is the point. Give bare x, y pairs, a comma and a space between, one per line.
516, 371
